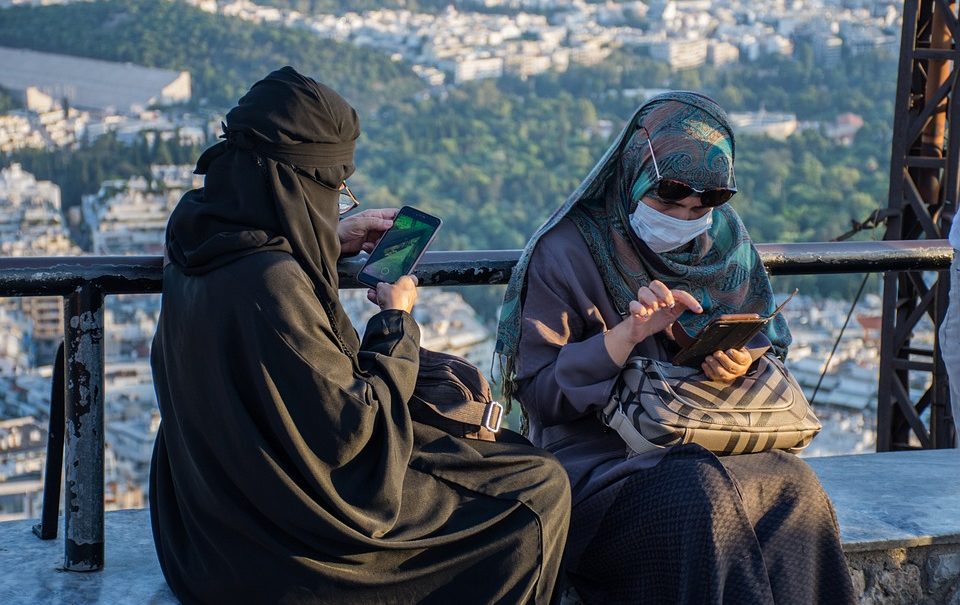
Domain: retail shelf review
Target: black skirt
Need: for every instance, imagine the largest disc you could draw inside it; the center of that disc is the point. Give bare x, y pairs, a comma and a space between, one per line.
696, 528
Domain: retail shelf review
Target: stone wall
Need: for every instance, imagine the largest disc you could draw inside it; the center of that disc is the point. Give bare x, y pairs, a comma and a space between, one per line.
924, 575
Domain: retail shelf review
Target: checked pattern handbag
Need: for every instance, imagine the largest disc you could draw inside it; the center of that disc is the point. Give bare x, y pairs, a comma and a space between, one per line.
655, 404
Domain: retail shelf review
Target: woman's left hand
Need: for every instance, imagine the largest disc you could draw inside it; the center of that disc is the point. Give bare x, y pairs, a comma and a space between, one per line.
362, 230
727, 366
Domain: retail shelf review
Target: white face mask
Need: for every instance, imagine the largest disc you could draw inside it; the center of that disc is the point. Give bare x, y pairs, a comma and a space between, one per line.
661, 232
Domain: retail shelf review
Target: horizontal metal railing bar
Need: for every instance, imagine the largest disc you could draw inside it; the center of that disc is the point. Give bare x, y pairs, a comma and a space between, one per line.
925, 162
944, 54
61, 275
919, 366
856, 257
916, 351
85, 280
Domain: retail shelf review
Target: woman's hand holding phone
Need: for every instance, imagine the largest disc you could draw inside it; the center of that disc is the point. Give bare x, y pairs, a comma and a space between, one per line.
727, 366
401, 295
400, 248
362, 230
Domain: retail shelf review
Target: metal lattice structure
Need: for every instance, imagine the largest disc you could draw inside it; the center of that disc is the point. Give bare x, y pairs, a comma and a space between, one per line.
924, 185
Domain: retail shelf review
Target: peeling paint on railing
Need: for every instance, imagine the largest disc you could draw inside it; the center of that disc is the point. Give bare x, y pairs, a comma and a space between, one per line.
84, 367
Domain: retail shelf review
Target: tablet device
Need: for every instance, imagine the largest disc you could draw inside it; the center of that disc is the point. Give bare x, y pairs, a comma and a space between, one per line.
724, 332
400, 248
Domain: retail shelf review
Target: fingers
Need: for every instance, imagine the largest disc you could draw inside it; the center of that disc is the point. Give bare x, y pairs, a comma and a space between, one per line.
668, 331
727, 366
741, 357
383, 213
639, 310
655, 296
648, 298
715, 371
658, 298
662, 292
372, 295
687, 300
409, 281
381, 292
365, 223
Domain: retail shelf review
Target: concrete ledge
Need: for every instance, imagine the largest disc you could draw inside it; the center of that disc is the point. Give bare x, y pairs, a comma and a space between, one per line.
899, 519
899, 515
30, 568
894, 499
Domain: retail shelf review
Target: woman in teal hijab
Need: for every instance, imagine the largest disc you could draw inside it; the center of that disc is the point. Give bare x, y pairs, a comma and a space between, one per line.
646, 243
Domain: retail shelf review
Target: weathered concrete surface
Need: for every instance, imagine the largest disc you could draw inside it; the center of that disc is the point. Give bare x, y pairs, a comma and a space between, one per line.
899, 515
894, 499
899, 519
30, 568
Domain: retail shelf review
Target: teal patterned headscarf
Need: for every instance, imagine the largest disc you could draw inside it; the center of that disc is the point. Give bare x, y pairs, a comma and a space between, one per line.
693, 143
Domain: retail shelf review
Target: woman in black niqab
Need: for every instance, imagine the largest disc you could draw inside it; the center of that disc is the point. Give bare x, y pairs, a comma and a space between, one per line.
287, 468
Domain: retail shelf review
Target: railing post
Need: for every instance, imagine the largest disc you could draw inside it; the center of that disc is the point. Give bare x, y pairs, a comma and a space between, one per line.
83, 493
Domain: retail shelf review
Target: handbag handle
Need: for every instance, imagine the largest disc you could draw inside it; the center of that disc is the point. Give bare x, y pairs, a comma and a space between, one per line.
619, 422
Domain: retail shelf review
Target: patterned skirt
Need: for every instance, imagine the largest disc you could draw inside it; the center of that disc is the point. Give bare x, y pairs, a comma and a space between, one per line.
696, 528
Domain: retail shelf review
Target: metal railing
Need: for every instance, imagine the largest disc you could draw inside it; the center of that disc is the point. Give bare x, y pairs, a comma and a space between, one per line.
84, 282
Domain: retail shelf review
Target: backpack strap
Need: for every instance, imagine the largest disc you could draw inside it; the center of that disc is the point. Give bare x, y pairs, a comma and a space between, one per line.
485, 415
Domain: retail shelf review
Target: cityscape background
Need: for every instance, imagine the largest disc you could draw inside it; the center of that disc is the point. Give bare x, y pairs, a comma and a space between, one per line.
485, 112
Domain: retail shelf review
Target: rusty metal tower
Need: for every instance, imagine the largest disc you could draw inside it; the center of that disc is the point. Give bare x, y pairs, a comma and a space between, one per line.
924, 189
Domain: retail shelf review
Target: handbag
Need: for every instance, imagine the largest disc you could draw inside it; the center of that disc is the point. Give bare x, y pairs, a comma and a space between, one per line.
656, 404
453, 395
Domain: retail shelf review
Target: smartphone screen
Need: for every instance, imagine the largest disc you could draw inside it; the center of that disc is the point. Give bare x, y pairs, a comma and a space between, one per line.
719, 335
400, 248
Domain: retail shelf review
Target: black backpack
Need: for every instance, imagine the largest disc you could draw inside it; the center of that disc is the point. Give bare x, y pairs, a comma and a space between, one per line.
453, 395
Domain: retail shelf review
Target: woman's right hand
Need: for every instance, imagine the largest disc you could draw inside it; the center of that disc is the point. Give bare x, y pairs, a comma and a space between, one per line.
655, 308
401, 295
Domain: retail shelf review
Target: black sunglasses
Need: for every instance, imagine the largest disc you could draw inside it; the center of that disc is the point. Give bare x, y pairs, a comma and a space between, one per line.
672, 191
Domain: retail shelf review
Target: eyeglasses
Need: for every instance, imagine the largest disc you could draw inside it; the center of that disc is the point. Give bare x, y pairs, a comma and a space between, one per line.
672, 191
348, 201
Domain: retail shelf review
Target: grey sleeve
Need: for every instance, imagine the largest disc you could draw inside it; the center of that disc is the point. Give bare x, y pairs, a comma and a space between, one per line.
564, 368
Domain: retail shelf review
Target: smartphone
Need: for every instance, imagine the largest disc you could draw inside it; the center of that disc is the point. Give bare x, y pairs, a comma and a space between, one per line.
400, 248
725, 332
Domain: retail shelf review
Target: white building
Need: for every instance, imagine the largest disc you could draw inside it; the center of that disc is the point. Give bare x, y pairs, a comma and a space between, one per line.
17, 133
680, 54
722, 53
130, 216
762, 123
828, 49
31, 224
23, 448
132, 444
447, 323
476, 68
16, 335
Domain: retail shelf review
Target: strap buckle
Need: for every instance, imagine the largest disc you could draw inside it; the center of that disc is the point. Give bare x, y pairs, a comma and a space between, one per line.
492, 416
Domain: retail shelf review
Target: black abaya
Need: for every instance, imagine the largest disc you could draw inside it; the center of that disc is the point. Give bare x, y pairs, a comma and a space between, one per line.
287, 468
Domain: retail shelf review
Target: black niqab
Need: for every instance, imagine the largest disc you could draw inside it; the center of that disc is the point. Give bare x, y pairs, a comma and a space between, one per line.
290, 140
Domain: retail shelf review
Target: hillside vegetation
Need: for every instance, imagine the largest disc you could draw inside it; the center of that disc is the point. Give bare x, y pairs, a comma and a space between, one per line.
494, 158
